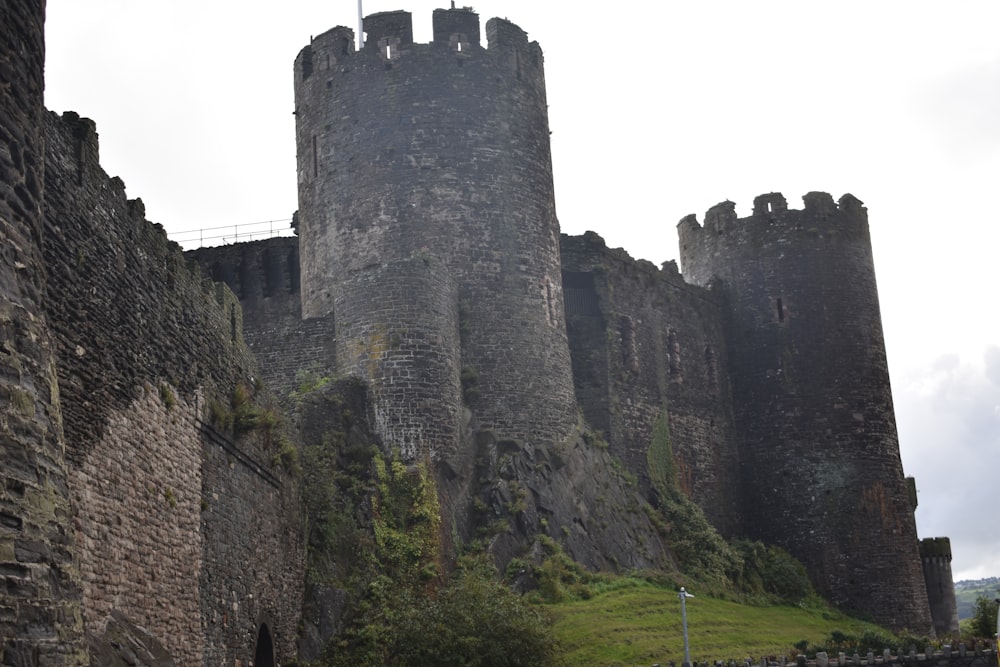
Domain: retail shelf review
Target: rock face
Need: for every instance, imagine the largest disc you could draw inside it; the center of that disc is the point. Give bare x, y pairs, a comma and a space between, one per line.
124, 644
570, 492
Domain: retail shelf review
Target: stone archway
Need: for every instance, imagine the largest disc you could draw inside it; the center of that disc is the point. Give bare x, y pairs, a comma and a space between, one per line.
264, 653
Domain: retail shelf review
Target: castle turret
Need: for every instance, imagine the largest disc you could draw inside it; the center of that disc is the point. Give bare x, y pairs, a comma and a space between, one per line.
822, 474
935, 554
436, 157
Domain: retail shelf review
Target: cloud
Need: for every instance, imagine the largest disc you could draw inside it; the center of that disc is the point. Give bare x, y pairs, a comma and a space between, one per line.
949, 425
959, 111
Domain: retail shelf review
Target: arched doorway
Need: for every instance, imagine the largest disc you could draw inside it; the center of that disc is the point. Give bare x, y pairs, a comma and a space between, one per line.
264, 654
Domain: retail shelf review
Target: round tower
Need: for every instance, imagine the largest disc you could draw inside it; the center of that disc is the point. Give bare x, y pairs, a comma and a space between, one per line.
819, 450
439, 151
935, 554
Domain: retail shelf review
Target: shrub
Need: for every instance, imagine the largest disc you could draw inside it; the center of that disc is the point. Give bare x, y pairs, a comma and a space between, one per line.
475, 621
771, 571
984, 617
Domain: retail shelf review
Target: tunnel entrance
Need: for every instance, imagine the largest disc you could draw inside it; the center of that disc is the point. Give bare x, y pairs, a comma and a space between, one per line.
264, 654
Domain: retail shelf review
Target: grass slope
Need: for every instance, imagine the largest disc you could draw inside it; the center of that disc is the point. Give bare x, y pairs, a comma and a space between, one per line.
639, 623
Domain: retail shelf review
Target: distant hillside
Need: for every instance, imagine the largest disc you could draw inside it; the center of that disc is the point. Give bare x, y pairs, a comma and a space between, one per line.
968, 590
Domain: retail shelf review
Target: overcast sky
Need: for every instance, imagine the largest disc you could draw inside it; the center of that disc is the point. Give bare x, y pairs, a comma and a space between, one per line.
657, 110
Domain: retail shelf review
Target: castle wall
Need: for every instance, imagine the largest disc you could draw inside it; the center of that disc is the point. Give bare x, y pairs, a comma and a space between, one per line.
819, 451
40, 619
137, 494
645, 343
265, 277
168, 530
450, 139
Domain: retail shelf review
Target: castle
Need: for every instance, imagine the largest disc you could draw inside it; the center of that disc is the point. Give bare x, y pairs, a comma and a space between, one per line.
429, 264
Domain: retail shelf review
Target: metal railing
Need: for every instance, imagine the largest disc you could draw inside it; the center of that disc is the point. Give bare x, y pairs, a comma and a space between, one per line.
227, 234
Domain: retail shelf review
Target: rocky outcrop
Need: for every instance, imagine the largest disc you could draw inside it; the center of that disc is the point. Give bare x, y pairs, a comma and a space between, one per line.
125, 644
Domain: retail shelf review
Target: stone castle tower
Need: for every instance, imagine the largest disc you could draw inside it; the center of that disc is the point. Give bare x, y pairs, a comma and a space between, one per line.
935, 554
428, 226
821, 472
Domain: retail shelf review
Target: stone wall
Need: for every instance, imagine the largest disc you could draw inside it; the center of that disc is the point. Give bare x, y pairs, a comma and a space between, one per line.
252, 550
137, 494
265, 277
981, 655
40, 621
645, 343
812, 400
171, 532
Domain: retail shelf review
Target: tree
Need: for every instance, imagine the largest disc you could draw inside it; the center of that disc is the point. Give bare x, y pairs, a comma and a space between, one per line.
984, 617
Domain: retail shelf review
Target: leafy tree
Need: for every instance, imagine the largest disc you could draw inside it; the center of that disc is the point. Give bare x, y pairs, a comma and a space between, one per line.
984, 617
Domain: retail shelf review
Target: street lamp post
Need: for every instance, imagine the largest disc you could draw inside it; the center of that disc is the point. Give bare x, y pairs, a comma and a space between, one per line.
683, 595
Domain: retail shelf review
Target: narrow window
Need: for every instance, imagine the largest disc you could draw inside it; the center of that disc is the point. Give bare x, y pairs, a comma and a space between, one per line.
630, 348
711, 369
315, 158
307, 64
673, 355
781, 310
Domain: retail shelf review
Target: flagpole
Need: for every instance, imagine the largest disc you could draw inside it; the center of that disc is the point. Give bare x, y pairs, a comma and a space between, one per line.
361, 27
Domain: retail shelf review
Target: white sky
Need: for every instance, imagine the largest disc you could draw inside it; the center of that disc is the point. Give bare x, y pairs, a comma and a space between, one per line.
658, 109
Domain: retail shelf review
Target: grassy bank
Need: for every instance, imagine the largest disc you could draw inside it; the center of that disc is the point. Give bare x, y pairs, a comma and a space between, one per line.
634, 622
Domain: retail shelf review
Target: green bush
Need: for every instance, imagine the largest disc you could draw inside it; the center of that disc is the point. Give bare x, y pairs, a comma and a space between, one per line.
772, 572
475, 621
984, 617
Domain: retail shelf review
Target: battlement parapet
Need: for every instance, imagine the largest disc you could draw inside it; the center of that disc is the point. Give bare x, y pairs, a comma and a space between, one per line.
773, 208
771, 227
389, 42
935, 547
458, 28
593, 245
395, 27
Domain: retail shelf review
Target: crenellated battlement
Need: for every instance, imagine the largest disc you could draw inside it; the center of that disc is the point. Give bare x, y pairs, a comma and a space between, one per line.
771, 224
772, 209
389, 42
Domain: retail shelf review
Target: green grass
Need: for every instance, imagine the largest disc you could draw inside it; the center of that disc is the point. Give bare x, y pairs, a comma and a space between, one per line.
635, 622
